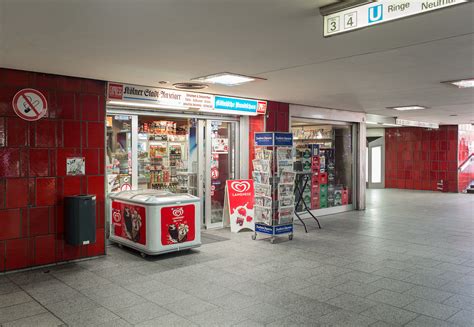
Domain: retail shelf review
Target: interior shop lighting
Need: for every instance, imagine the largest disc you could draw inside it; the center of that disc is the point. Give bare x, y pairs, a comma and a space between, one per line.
391, 125
462, 83
228, 79
407, 108
371, 123
146, 105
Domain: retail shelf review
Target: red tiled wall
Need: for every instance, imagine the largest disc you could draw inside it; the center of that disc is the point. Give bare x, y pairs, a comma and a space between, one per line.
33, 177
256, 124
277, 117
465, 150
417, 158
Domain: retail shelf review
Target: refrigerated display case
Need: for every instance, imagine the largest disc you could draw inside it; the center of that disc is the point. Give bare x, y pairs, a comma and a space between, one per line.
155, 221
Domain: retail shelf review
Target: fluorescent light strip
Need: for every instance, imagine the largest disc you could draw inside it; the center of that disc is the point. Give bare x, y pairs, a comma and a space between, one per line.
146, 105
371, 123
406, 108
228, 79
462, 83
392, 125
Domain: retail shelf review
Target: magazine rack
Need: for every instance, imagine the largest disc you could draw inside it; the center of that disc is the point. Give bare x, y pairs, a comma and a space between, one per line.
274, 180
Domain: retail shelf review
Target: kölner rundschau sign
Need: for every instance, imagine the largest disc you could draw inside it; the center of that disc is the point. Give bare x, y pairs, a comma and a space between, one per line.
380, 12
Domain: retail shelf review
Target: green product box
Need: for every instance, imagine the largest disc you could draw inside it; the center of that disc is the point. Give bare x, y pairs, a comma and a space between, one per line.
323, 189
323, 203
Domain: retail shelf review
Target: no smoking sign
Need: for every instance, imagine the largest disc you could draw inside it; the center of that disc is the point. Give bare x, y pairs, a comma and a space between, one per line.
30, 104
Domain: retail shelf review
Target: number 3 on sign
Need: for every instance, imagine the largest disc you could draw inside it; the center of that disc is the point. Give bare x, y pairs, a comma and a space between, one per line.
350, 20
333, 24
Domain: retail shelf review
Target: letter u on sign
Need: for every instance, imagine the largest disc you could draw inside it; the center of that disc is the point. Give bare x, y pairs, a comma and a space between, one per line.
375, 13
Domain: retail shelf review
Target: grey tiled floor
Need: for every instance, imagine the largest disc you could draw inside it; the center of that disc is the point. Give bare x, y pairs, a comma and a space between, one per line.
407, 260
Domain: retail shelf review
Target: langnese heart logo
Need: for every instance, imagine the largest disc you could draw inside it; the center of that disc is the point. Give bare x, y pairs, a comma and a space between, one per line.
117, 216
177, 212
240, 187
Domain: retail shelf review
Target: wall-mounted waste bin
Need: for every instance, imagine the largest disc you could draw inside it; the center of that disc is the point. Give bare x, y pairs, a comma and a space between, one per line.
79, 219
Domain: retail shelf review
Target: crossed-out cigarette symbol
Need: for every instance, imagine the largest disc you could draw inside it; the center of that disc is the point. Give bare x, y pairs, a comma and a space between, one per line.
26, 105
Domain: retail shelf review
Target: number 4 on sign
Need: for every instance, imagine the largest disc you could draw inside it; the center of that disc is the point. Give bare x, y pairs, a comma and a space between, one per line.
350, 20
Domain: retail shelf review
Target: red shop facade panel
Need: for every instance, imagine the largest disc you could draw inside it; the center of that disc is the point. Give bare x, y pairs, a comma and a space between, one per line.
418, 158
33, 180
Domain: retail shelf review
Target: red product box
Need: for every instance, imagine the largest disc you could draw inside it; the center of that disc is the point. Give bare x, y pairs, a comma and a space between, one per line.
316, 161
323, 178
315, 201
345, 197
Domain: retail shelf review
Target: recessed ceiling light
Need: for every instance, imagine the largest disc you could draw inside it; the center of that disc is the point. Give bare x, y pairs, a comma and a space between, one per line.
462, 83
371, 123
406, 108
190, 86
228, 79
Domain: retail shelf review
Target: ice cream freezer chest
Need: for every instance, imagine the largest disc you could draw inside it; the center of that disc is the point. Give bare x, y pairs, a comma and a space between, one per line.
155, 222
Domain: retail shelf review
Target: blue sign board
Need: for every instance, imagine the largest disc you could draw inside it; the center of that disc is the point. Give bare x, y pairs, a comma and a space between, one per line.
284, 139
264, 229
235, 104
283, 229
264, 139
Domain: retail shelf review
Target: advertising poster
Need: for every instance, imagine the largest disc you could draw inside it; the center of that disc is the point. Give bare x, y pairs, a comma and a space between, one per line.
240, 204
178, 224
129, 222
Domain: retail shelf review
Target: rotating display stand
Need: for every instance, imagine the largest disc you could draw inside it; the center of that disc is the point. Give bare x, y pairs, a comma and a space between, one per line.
274, 181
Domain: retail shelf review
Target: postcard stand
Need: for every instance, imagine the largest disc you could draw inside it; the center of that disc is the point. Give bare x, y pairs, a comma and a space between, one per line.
274, 181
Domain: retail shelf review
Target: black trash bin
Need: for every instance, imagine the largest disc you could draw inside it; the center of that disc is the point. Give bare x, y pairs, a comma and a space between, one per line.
79, 219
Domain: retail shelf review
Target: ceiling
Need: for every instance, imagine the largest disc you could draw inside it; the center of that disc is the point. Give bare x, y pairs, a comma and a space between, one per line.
147, 41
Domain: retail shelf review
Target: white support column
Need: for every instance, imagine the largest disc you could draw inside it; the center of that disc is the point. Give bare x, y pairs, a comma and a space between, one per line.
244, 131
360, 184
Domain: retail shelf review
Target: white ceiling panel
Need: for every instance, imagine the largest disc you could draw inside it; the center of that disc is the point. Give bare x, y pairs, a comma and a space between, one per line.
146, 41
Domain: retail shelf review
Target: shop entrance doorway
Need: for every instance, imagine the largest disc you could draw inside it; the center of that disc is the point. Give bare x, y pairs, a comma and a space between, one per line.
182, 154
220, 162
375, 163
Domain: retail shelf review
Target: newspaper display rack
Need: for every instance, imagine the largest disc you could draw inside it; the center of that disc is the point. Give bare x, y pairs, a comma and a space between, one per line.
274, 180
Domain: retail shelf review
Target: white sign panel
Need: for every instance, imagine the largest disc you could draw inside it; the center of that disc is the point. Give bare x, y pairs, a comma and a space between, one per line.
380, 12
414, 123
144, 96
76, 166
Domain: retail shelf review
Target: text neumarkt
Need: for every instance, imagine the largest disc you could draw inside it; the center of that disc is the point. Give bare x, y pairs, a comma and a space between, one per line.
427, 5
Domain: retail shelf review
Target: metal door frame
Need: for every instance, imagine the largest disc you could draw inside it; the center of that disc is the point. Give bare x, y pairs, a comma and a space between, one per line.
380, 142
234, 146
